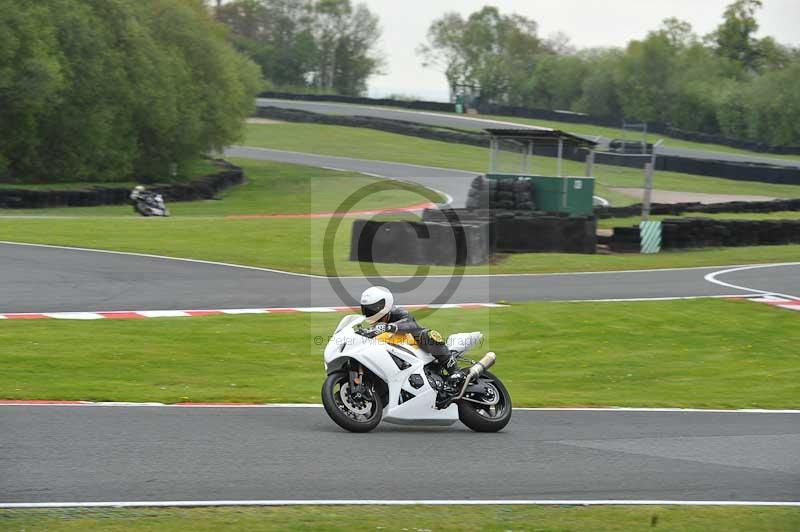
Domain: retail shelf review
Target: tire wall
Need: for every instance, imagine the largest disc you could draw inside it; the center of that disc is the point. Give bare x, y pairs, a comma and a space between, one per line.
433, 243
527, 232
205, 187
707, 232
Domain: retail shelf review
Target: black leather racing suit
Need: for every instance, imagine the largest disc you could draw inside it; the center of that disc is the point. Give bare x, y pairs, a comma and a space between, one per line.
430, 341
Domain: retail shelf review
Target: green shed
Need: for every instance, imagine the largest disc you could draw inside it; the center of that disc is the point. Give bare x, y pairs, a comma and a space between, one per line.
552, 193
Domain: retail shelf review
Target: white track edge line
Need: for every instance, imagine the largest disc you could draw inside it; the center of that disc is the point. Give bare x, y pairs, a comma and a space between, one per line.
297, 274
307, 154
712, 278
317, 405
165, 257
393, 502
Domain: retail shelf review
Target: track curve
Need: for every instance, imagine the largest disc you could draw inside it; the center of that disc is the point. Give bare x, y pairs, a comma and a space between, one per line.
454, 183
476, 122
82, 454
39, 278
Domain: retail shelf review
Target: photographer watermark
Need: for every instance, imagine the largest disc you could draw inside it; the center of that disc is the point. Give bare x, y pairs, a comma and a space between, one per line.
370, 235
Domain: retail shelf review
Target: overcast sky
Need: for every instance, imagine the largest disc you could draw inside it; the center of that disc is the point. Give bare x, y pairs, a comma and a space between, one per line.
586, 22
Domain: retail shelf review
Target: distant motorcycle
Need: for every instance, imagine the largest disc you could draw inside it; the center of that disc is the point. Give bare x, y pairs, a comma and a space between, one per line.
374, 376
148, 203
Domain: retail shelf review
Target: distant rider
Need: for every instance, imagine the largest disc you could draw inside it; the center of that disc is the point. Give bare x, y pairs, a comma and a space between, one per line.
377, 305
138, 193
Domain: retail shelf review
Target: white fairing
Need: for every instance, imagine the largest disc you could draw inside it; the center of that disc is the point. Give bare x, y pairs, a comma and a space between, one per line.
376, 355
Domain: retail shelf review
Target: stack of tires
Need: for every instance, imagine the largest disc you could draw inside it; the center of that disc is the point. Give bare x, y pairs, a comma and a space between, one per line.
526, 232
501, 194
625, 240
408, 242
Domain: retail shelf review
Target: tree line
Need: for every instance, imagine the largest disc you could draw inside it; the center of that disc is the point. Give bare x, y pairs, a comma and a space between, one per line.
114, 90
320, 45
727, 82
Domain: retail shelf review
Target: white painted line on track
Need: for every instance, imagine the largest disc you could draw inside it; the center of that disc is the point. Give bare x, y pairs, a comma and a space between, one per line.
392, 502
712, 278
619, 409
313, 276
163, 257
135, 314
469, 118
256, 148
554, 274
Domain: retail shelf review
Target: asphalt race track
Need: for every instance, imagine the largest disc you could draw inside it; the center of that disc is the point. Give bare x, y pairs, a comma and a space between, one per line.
475, 122
81, 454
454, 183
51, 279
118, 454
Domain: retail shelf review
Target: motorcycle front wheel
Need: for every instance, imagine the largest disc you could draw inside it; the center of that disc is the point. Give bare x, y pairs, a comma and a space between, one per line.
486, 417
346, 411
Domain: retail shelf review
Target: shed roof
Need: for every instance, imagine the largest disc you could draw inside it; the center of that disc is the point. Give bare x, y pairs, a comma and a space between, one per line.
539, 135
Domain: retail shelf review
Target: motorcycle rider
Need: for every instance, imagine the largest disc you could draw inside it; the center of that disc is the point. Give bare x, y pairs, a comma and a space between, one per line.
377, 305
137, 193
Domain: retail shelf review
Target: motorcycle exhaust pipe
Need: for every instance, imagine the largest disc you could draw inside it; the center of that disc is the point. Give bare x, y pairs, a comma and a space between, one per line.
476, 371
482, 365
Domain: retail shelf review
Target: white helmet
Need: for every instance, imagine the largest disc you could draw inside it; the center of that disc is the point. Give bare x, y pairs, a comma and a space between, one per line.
376, 302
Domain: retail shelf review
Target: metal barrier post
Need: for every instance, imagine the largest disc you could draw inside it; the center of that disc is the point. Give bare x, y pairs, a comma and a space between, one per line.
648, 190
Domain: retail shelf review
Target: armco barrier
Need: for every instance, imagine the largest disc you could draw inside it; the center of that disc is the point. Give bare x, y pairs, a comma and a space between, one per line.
433, 243
740, 171
724, 169
687, 233
400, 127
407, 104
205, 187
545, 114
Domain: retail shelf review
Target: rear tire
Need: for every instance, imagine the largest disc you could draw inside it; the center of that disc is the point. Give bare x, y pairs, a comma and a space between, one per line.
337, 408
479, 418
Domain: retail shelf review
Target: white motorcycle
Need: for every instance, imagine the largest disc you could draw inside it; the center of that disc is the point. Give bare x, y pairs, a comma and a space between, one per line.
374, 376
150, 204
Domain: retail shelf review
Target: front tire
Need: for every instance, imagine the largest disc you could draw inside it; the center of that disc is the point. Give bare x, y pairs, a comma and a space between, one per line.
343, 411
482, 418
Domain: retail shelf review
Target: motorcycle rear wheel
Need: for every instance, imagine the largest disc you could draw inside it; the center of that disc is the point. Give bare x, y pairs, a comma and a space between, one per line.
339, 407
481, 418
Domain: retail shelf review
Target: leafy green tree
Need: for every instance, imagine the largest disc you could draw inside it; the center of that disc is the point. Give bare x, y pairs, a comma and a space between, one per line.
487, 50
345, 36
599, 88
97, 91
556, 82
734, 38
329, 45
646, 77
31, 78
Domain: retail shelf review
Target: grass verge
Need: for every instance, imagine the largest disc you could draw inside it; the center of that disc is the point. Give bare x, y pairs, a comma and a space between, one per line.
610, 132
200, 230
295, 244
697, 353
271, 188
417, 518
591, 130
377, 145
